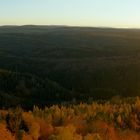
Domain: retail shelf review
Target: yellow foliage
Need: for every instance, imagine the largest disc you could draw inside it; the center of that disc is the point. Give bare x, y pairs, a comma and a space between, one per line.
45, 129
28, 118
94, 121
130, 135
92, 137
34, 130
119, 120
5, 134
66, 133
137, 104
77, 137
26, 137
134, 122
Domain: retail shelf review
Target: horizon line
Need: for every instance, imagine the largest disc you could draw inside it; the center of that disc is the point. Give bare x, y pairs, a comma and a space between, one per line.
78, 26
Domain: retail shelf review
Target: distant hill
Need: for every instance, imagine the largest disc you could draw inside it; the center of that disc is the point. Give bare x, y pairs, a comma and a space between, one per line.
83, 62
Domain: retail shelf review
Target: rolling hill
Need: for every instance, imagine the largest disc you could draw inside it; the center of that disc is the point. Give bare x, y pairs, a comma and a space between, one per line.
78, 62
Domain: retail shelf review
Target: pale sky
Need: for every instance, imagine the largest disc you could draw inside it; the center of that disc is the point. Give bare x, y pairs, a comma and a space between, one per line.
105, 13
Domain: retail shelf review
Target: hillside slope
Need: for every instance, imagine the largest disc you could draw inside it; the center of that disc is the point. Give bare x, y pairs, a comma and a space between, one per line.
91, 62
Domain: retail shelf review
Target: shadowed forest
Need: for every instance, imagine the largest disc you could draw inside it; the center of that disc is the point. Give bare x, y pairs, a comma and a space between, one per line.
45, 65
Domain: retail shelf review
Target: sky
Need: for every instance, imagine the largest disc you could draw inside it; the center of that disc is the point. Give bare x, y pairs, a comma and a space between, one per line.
97, 13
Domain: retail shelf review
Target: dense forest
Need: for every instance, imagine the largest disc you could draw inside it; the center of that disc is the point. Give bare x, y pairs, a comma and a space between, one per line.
69, 83
45, 65
112, 120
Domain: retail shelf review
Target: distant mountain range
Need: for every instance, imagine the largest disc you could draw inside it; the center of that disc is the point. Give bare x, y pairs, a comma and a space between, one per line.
67, 63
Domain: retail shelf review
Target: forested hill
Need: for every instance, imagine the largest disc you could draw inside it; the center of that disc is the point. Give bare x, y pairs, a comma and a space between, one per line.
78, 62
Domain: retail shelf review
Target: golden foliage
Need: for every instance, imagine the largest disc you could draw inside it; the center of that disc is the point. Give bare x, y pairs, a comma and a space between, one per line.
66, 133
92, 137
34, 130
26, 137
5, 134
46, 129
96, 121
